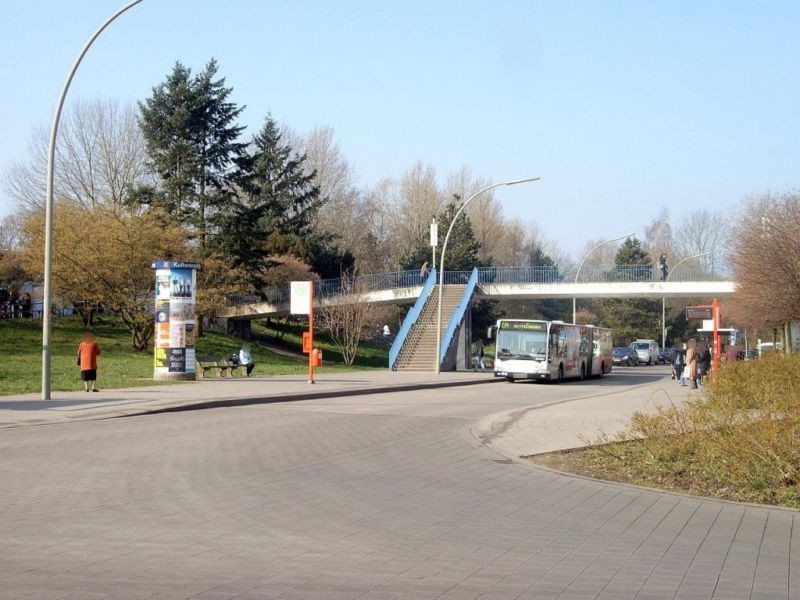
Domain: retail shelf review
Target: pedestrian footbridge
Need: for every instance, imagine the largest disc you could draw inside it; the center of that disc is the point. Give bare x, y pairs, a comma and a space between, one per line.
415, 343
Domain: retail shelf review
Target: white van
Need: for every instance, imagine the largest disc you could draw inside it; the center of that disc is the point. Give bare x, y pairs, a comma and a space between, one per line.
647, 350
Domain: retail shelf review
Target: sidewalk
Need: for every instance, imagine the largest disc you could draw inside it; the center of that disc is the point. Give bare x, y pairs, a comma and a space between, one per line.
575, 422
64, 407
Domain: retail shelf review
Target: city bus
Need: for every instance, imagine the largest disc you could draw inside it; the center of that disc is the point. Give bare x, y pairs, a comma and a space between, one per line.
551, 350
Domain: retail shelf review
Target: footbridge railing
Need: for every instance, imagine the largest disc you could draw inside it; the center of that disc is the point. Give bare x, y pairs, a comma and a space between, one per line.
324, 288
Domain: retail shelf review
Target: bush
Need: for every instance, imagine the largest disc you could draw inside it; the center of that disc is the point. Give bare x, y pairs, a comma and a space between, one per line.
739, 439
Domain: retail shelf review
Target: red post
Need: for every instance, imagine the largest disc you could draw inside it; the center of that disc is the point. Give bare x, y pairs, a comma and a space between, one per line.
716, 318
311, 335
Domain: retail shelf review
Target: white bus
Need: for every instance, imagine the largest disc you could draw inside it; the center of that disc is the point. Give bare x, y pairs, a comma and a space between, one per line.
551, 350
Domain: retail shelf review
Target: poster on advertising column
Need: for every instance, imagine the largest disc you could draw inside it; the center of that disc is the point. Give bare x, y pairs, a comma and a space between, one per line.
175, 320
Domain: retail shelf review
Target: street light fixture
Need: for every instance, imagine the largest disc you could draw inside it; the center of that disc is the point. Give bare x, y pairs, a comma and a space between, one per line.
664, 299
441, 261
578, 272
48, 218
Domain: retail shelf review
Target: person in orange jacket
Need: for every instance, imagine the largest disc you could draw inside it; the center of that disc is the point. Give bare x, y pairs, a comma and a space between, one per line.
88, 351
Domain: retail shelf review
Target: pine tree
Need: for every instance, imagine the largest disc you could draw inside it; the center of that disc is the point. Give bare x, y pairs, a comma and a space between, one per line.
271, 212
635, 318
462, 247
189, 128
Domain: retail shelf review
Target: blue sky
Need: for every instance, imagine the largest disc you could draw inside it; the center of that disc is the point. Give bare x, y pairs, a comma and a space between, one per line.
620, 107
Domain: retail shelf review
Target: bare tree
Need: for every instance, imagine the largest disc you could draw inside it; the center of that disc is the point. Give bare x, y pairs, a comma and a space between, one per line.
704, 231
10, 232
601, 258
418, 200
658, 235
346, 323
485, 212
765, 259
100, 158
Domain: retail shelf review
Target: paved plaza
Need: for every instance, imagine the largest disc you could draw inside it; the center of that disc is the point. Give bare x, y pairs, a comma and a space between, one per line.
373, 486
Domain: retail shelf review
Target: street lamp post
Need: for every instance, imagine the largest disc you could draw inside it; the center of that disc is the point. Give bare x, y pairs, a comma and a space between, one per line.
48, 218
441, 261
578, 272
664, 298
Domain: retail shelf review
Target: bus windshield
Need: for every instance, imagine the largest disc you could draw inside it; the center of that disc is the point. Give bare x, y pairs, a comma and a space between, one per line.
521, 344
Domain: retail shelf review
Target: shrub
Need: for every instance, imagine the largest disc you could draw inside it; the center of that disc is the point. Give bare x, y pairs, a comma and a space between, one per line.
742, 433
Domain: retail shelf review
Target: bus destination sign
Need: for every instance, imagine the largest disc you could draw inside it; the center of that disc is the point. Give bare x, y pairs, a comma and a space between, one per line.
524, 325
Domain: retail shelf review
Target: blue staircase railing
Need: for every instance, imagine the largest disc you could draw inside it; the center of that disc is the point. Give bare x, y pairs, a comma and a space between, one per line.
411, 318
458, 314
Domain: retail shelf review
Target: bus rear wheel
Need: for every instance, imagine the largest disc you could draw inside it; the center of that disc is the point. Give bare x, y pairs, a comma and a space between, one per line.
510, 379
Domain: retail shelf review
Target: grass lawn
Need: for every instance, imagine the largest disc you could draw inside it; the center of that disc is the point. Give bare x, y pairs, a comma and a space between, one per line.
120, 366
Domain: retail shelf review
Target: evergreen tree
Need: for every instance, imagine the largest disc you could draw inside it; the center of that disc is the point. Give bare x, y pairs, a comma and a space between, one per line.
462, 247
272, 209
634, 318
189, 128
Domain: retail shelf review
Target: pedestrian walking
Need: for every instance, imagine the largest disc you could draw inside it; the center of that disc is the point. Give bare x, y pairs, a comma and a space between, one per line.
676, 360
88, 351
703, 363
479, 355
691, 363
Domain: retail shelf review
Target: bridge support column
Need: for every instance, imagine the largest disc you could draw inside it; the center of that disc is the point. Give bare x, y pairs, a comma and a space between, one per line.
459, 355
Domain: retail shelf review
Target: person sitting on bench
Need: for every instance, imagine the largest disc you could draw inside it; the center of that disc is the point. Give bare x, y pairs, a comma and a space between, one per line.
245, 360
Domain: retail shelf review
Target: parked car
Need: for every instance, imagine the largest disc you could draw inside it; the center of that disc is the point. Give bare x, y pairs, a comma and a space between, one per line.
625, 355
750, 354
647, 351
664, 355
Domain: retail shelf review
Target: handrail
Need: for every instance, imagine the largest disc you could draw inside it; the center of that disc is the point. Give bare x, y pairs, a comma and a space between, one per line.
458, 313
411, 318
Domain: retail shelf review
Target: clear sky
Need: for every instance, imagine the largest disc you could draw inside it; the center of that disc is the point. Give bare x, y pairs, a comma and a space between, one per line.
620, 107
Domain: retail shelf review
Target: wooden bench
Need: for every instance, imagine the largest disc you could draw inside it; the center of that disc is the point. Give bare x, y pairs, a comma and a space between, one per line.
220, 366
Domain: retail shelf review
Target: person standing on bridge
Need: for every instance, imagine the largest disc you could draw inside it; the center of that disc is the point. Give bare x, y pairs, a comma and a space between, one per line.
662, 264
423, 271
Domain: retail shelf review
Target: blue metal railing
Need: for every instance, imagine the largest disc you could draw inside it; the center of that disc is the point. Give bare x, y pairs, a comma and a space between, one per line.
520, 275
458, 313
411, 318
489, 275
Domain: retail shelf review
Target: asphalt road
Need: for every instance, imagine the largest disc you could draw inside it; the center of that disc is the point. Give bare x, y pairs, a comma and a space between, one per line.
374, 497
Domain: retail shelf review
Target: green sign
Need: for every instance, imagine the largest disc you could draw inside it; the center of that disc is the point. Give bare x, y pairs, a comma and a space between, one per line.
524, 325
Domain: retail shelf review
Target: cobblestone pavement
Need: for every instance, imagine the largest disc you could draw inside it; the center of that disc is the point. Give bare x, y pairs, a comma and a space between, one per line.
375, 497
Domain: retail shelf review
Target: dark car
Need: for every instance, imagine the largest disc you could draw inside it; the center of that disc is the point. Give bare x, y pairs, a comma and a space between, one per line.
625, 356
664, 355
750, 354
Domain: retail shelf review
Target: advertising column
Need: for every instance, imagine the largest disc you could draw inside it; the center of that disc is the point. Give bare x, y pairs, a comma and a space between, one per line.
175, 324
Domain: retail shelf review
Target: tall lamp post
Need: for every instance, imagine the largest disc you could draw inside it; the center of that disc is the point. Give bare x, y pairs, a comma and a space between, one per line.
578, 272
664, 298
441, 261
48, 218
